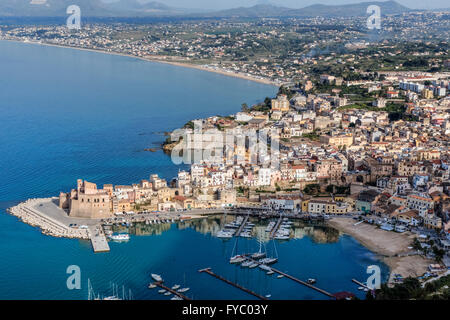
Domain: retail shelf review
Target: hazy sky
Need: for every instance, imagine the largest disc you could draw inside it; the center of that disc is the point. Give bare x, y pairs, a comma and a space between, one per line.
225, 4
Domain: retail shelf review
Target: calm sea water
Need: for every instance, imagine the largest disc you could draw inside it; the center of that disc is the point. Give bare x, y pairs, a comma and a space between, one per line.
71, 114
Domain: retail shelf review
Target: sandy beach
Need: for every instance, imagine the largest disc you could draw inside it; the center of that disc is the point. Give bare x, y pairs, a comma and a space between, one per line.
160, 59
387, 244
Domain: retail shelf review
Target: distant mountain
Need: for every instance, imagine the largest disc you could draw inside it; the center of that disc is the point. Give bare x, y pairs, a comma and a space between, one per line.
51, 8
259, 10
349, 10
130, 8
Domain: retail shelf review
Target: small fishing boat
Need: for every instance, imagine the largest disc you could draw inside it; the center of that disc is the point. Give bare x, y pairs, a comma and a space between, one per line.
162, 291
176, 298
312, 281
168, 293
152, 286
183, 290
280, 276
268, 295
176, 287
269, 273
361, 288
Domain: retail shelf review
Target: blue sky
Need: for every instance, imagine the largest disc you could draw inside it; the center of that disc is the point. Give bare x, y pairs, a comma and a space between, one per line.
225, 4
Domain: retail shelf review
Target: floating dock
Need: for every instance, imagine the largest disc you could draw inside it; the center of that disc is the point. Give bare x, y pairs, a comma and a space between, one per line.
208, 271
160, 284
238, 232
304, 283
275, 228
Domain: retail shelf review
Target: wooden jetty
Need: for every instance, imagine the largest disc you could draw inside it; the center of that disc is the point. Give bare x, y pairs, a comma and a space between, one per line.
161, 285
208, 271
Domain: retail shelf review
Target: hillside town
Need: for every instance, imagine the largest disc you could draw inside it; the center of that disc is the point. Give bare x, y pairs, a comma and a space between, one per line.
388, 159
357, 136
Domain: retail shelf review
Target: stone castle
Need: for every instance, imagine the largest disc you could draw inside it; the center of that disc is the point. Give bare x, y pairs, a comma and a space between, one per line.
87, 201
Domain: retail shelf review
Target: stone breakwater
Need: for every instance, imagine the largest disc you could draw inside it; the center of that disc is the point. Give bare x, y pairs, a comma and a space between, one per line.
26, 212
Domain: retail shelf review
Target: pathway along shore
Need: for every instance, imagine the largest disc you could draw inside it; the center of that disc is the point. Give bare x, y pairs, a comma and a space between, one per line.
387, 244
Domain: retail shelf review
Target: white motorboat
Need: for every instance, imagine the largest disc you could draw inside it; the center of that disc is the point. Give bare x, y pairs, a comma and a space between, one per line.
152, 286
156, 277
183, 290
224, 234
176, 287
162, 291
120, 237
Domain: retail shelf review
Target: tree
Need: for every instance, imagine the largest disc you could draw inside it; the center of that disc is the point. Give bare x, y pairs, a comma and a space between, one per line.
416, 244
438, 253
244, 107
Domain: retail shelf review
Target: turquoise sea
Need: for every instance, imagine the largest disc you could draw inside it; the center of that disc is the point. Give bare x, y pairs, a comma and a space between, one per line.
71, 114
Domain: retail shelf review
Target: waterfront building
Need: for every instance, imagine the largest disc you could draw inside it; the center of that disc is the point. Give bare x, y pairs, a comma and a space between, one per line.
86, 201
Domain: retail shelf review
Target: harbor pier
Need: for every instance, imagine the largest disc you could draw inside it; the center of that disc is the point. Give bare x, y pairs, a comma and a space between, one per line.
304, 283
208, 271
98, 239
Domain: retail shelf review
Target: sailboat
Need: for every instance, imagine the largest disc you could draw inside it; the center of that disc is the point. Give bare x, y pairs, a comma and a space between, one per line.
259, 255
269, 260
237, 258
91, 293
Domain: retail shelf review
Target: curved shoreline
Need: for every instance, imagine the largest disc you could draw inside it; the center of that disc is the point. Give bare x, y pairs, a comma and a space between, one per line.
157, 60
391, 247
